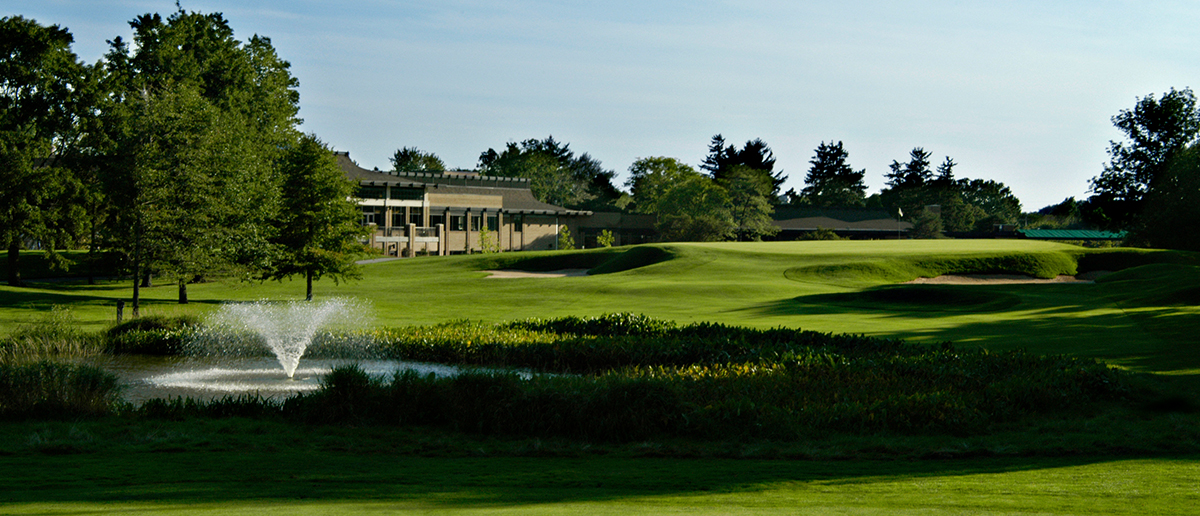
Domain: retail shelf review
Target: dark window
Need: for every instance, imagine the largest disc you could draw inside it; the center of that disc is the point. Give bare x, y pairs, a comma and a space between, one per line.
518, 222
493, 223
474, 222
397, 217
458, 223
416, 216
371, 215
372, 192
434, 220
407, 194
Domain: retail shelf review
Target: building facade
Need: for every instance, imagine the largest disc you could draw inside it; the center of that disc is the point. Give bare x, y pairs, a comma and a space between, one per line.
454, 212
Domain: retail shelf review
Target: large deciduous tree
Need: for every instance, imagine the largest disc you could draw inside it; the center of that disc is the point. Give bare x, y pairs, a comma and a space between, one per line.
195, 124
696, 209
1156, 129
830, 180
412, 159
40, 90
651, 178
557, 176
318, 224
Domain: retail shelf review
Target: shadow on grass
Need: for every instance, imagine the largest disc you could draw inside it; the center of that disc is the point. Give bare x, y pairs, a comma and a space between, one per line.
1045, 319
259, 474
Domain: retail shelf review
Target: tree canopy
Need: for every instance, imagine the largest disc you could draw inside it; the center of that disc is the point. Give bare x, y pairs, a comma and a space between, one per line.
755, 155
830, 180
412, 159
193, 128
318, 224
1156, 130
557, 176
41, 89
651, 178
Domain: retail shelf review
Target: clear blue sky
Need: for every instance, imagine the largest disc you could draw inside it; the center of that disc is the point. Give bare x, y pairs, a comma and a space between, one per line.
1018, 91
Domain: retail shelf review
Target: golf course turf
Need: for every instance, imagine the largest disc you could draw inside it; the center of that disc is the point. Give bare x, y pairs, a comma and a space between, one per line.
1142, 318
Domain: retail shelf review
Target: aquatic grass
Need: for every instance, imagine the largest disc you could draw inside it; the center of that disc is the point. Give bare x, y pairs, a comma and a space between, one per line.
54, 336
56, 390
654, 379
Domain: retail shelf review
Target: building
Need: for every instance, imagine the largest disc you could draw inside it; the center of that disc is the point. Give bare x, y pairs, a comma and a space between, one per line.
455, 212
857, 223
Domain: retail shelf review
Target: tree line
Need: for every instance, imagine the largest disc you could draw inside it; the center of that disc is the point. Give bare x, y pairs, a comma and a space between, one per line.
179, 152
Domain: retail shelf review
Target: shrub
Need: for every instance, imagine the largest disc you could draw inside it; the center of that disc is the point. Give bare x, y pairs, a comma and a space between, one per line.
151, 335
820, 234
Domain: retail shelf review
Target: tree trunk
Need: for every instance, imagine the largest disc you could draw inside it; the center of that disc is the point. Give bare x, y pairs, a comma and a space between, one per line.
133, 308
146, 280
183, 292
308, 275
14, 260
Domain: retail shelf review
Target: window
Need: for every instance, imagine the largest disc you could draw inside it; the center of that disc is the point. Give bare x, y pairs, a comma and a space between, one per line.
474, 222
458, 223
416, 216
518, 222
407, 194
371, 215
397, 217
434, 220
493, 223
372, 192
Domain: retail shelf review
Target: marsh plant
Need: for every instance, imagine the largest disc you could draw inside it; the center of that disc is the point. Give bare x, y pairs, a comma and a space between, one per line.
53, 336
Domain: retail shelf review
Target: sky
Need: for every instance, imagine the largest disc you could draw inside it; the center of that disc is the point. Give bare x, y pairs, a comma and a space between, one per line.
1021, 92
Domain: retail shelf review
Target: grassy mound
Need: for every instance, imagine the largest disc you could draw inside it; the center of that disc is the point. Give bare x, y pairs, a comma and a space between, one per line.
905, 268
597, 261
921, 298
635, 258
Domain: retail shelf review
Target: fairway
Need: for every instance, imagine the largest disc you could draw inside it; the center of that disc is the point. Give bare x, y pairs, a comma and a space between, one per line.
1143, 319
226, 483
762, 284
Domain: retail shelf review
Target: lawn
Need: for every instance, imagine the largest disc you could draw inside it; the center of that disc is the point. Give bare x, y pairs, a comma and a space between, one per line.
766, 284
1143, 319
367, 471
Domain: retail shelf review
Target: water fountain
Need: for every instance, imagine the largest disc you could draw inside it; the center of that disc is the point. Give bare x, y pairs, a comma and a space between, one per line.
287, 328
256, 348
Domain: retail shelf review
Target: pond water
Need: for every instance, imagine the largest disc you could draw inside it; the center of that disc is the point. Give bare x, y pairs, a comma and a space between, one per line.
147, 377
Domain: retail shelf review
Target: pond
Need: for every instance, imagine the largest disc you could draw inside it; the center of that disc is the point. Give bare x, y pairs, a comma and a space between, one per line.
204, 378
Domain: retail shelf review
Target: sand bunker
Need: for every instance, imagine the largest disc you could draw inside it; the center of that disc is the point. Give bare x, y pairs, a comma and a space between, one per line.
561, 273
994, 279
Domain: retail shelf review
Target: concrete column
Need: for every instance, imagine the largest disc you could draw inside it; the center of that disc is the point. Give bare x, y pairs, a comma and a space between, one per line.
441, 231
467, 227
500, 232
411, 229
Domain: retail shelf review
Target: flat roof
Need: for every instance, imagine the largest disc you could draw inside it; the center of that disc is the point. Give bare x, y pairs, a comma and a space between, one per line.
1071, 234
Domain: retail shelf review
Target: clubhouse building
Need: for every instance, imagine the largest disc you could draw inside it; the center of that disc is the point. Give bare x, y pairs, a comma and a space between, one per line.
455, 212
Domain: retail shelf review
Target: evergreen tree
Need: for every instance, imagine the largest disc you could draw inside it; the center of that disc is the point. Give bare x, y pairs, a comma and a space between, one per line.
831, 181
756, 155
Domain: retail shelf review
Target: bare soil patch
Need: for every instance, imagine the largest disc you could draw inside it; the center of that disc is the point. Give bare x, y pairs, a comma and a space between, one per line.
561, 273
995, 279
